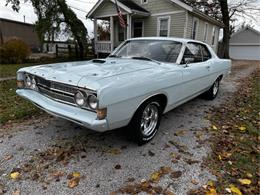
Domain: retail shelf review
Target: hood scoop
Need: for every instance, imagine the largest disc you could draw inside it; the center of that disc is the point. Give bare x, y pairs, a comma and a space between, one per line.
98, 61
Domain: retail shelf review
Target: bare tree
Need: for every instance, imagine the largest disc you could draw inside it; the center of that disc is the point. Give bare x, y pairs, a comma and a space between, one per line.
230, 13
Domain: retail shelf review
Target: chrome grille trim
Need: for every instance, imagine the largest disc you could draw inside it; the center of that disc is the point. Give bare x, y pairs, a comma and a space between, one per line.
60, 92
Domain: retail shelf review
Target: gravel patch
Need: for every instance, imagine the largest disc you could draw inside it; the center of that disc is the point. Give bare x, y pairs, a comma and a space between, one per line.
107, 161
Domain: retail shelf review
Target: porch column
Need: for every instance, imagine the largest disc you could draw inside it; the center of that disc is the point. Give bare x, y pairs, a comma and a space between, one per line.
112, 32
95, 34
129, 26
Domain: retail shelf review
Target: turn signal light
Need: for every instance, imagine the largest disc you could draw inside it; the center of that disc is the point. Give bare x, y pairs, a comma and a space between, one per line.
20, 84
101, 113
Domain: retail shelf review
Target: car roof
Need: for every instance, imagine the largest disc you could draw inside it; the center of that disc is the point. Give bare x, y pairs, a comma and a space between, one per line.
168, 39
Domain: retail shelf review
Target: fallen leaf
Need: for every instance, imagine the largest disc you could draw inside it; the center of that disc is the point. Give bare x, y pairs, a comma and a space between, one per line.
249, 175
176, 174
195, 182
228, 190
211, 191
180, 133
219, 157
155, 176
245, 181
210, 183
235, 190
168, 193
165, 170
76, 174
150, 153
15, 175
242, 128
8, 157
114, 151
118, 166
16, 192
73, 182
214, 127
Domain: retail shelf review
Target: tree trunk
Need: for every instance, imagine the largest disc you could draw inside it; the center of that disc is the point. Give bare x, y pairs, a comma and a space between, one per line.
224, 52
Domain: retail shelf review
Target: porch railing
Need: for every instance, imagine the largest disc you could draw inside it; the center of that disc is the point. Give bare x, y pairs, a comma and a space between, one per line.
103, 47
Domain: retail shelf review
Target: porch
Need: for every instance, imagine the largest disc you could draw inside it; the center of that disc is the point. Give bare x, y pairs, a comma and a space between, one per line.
108, 33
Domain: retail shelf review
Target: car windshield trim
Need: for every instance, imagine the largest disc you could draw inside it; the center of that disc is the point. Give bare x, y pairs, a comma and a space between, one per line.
163, 51
145, 58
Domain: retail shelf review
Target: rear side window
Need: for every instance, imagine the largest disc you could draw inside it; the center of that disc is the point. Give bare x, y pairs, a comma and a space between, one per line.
195, 53
205, 52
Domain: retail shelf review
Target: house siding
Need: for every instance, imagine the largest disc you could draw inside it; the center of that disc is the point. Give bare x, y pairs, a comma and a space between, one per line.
155, 6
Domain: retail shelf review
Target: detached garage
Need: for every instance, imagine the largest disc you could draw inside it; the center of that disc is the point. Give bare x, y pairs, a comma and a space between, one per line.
245, 44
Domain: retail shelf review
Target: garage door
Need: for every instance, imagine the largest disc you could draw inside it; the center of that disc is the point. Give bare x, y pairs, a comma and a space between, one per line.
245, 52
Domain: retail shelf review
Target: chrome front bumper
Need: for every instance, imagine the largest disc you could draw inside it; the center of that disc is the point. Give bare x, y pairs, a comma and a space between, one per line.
77, 115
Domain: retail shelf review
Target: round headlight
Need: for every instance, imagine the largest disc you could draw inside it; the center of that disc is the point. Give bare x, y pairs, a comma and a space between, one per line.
33, 84
92, 101
28, 81
79, 98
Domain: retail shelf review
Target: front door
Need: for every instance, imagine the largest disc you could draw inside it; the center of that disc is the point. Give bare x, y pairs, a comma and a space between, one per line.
196, 70
138, 29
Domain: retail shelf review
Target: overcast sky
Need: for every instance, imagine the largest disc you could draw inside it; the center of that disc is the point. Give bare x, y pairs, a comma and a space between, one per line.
81, 8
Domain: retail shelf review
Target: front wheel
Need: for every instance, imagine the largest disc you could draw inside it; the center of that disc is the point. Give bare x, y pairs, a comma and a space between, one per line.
213, 91
145, 122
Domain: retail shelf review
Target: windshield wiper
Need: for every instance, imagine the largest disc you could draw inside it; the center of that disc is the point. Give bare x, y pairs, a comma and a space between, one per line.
114, 56
145, 58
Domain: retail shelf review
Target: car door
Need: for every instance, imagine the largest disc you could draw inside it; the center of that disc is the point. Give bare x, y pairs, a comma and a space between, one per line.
196, 70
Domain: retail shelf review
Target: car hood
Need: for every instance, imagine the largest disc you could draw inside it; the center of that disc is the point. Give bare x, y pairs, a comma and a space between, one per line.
90, 71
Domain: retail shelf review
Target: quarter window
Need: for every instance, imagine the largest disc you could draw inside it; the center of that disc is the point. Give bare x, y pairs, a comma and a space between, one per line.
205, 52
164, 26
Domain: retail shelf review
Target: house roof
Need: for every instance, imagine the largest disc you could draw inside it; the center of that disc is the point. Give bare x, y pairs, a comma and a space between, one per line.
244, 29
16, 22
127, 5
132, 7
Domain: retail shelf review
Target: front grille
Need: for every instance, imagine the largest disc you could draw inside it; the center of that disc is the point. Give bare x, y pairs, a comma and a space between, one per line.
57, 91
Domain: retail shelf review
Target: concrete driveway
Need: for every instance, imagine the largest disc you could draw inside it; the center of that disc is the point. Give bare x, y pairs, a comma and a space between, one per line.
54, 156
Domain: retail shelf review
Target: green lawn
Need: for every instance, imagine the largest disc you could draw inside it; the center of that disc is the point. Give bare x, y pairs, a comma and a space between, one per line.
12, 107
9, 70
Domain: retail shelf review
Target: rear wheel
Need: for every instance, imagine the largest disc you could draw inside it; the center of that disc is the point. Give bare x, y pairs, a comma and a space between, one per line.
146, 121
213, 91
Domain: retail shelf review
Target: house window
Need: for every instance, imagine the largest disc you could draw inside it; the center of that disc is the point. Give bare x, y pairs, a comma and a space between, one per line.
205, 32
138, 29
213, 35
144, 1
194, 28
164, 26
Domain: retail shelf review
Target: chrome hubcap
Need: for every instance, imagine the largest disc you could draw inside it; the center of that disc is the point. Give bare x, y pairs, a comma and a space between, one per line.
215, 87
149, 119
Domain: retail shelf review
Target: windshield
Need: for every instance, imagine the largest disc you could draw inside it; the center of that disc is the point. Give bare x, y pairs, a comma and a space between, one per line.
159, 50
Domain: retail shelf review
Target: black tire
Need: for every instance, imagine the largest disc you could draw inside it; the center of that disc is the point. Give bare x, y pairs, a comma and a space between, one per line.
212, 93
136, 129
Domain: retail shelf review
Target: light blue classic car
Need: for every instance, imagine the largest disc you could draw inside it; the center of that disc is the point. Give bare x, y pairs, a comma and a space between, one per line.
142, 79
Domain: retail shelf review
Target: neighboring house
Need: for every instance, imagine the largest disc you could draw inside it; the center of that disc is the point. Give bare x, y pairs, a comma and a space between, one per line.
245, 44
13, 29
146, 18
